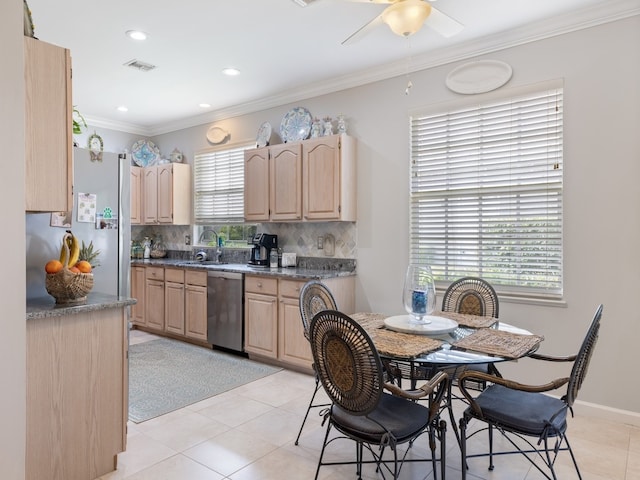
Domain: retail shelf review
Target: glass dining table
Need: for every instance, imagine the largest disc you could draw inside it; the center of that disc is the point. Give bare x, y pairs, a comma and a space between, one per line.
412, 355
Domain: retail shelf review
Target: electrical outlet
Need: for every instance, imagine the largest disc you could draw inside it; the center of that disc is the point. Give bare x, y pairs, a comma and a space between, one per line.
320, 242
187, 239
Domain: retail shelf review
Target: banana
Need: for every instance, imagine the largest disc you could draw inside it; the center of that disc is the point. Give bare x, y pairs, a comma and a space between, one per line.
65, 248
74, 249
70, 247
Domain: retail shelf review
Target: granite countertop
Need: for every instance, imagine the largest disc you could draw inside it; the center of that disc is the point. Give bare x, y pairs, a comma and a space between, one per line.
288, 272
44, 307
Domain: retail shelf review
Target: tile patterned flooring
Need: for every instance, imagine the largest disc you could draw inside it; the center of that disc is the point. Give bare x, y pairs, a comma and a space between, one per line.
248, 433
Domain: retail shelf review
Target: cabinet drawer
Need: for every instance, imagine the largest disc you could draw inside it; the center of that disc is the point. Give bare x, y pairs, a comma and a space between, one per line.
195, 278
263, 285
174, 275
156, 273
290, 288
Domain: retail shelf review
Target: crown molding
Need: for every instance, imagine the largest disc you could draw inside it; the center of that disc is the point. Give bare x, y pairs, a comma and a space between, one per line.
560, 25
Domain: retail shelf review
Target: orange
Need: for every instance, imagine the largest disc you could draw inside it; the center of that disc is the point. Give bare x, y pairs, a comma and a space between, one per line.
53, 266
74, 270
83, 266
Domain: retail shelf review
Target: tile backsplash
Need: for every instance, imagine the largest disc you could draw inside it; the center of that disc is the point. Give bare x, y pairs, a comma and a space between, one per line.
299, 238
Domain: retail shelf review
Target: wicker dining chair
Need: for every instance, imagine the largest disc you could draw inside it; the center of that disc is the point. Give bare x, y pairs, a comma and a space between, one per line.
527, 417
314, 297
350, 370
472, 296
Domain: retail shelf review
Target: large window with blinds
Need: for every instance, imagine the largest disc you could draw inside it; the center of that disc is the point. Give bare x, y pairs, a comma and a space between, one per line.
486, 191
218, 183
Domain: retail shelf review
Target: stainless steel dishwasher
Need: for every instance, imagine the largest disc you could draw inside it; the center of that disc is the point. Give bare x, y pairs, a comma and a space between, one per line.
225, 310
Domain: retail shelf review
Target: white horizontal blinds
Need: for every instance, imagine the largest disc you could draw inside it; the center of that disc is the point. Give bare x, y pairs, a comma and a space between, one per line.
219, 185
486, 192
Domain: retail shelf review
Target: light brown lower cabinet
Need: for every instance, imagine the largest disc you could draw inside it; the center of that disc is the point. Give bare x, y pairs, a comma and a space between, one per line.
273, 326
154, 298
195, 305
77, 394
172, 300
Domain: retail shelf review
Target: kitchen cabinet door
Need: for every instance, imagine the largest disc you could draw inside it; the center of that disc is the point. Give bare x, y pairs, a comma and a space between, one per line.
137, 292
48, 127
154, 297
195, 299
195, 305
329, 178
174, 300
150, 194
261, 324
136, 195
285, 170
256, 184
293, 347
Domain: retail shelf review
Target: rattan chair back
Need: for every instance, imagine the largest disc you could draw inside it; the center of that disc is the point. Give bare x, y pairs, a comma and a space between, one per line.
314, 298
581, 363
471, 295
346, 361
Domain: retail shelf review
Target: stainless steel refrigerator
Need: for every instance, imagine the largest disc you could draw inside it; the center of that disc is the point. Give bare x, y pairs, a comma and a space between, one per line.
109, 181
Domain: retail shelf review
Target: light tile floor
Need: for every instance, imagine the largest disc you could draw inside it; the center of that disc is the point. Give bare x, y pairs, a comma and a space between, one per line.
248, 434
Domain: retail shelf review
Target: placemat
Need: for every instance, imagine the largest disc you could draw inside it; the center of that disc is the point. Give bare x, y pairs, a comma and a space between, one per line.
499, 343
470, 321
369, 321
394, 344
402, 345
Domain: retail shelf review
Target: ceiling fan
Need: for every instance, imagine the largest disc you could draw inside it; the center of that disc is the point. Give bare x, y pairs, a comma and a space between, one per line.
406, 17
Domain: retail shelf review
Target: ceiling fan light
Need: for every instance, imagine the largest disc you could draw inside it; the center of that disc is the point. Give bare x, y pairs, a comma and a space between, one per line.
406, 17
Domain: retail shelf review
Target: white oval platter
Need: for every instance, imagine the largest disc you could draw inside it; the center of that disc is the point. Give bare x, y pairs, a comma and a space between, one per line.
479, 77
436, 325
217, 135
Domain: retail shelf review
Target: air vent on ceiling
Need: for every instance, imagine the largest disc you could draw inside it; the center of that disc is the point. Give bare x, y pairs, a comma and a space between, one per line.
303, 3
142, 66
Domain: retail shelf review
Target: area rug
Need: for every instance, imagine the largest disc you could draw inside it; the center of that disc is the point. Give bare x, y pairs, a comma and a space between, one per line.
165, 375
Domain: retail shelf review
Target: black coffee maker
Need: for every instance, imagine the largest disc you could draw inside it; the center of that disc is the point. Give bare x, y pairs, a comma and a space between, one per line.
262, 243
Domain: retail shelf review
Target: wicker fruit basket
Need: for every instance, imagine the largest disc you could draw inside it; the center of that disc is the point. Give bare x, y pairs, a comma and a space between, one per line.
68, 287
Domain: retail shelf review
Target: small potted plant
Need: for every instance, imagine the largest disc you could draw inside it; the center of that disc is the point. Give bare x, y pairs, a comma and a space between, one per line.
79, 123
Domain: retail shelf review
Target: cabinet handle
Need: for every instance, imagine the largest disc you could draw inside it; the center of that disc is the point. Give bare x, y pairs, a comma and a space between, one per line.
259, 285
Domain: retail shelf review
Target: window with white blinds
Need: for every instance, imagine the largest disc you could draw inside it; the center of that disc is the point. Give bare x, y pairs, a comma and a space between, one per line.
219, 185
486, 192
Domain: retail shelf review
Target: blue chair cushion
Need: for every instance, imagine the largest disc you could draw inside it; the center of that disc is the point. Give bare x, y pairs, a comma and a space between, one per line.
528, 413
402, 417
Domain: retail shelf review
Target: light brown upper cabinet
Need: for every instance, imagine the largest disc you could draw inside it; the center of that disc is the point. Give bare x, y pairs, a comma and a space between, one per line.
329, 178
256, 184
311, 180
48, 127
285, 182
166, 194
136, 195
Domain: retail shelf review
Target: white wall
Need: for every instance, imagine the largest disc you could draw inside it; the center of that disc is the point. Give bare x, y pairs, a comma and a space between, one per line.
12, 283
600, 67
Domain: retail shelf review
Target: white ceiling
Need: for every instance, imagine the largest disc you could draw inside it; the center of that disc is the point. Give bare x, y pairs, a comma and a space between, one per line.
285, 52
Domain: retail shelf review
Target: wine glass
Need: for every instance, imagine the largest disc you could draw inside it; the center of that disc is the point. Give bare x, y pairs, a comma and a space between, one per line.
419, 294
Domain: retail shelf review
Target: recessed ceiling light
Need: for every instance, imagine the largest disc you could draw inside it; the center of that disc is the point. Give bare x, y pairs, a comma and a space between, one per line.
231, 71
136, 34
122, 108
204, 105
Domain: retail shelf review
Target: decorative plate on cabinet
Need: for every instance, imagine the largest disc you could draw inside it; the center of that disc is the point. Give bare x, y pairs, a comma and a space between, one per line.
145, 153
264, 134
295, 125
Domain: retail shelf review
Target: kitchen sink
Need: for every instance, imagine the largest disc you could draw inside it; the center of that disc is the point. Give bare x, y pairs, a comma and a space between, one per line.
203, 262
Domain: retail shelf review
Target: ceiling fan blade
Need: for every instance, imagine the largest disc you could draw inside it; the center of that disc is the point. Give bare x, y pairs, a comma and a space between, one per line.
373, 1
442, 23
362, 31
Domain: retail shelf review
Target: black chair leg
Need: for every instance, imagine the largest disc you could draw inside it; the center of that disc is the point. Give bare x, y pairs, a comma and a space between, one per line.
490, 448
311, 405
463, 447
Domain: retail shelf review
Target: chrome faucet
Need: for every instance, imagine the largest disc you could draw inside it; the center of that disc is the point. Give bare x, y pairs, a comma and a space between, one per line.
206, 232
